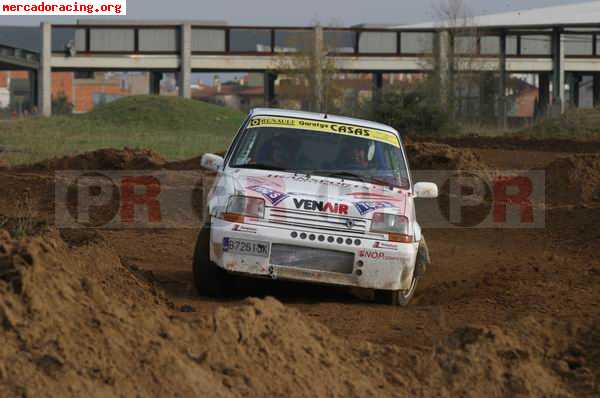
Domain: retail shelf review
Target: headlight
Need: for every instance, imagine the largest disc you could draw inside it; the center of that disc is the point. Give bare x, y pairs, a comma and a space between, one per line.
239, 207
396, 226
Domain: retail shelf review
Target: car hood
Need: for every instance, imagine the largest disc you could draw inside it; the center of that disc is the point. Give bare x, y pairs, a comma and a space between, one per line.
318, 194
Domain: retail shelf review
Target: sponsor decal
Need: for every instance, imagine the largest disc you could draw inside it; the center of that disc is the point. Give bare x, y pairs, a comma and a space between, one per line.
385, 245
273, 196
377, 255
367, 207
374, 196
372, 254
316, 180
328, 207
243, 228
326, 127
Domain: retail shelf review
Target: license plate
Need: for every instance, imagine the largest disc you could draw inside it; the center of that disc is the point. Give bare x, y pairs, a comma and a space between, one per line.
247, 247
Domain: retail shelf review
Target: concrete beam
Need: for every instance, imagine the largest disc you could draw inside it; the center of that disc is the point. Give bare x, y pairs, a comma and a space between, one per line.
384, 64
233, 62
266, 62
524, 65
45, 72
343, 63
16, 63
185, 71
117, 62
582, 65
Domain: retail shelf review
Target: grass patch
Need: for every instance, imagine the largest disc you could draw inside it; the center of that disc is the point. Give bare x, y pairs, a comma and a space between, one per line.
175, 127
575, 124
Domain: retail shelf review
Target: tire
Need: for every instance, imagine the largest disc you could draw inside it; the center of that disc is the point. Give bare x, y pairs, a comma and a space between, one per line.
397, 297
210, 280
403, 297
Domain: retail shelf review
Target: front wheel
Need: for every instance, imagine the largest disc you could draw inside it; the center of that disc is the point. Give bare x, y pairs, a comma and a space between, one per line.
210, 280
403, 297
397, 297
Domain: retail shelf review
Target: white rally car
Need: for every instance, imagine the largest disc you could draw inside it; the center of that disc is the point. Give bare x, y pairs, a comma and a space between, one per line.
316, 198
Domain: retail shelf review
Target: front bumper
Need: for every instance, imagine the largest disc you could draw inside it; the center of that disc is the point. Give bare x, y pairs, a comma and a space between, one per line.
377, 264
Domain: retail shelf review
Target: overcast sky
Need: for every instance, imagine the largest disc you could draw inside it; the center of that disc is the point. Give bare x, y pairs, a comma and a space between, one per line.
297, 12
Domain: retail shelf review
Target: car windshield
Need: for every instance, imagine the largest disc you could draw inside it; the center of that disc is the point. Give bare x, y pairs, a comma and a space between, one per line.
319, 152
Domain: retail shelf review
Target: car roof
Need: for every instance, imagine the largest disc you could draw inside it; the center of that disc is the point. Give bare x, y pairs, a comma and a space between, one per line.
321, 117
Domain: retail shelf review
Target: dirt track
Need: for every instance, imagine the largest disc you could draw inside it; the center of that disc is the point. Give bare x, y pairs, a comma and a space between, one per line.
500, 278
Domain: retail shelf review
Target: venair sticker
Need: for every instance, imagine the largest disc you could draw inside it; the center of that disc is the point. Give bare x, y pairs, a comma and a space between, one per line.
366, 207
326, 127
275, 197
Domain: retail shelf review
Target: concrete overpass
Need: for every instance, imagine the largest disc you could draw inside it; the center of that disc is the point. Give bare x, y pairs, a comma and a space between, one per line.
550, 51
557, 51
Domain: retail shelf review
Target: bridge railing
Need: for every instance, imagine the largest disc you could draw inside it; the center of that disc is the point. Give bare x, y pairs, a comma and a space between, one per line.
115, 39
238, 40
8, 51
582, 42
338, 41
354, 41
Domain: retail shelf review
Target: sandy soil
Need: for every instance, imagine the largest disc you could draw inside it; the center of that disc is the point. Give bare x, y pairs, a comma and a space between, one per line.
504, 312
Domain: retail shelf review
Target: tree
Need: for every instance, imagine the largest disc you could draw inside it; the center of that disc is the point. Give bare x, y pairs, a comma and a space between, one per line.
469, 89
310, 73
61, 105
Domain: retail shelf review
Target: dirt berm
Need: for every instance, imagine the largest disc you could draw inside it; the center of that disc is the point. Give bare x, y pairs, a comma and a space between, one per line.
104, 159
74, 321
421, 155
574, 180
432, 156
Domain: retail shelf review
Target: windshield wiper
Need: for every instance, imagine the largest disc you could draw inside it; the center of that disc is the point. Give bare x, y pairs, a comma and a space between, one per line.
260, 166
342, 174
380, 181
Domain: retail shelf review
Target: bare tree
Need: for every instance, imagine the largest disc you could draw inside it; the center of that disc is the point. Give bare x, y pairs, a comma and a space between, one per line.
309, 73
470, 85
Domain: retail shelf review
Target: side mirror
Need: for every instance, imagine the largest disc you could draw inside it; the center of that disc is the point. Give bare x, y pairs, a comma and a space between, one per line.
212, 162
425, 190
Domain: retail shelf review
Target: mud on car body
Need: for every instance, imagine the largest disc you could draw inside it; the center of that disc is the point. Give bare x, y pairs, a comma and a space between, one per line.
315, 198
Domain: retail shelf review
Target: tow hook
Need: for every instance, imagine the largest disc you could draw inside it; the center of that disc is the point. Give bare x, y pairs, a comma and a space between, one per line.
272, 272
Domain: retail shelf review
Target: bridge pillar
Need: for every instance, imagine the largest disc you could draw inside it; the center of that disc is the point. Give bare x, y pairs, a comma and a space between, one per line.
544, 93
154, 83
443, 66
44, 75
269, 88
185, 72
558, 71
596, 89
503, 117
33, 87
320, 52
573, 79
377, 85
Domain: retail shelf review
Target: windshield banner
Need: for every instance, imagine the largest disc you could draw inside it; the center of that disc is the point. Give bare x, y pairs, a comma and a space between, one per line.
325, 127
